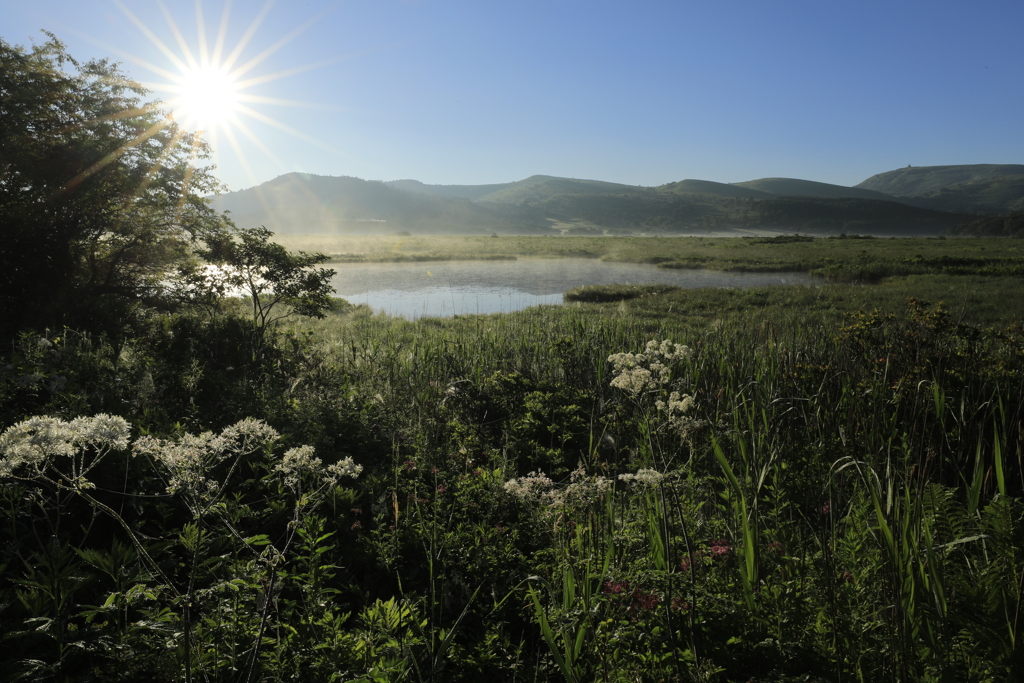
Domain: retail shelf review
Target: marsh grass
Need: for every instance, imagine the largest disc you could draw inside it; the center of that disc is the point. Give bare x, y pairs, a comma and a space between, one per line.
843, 503
982, 256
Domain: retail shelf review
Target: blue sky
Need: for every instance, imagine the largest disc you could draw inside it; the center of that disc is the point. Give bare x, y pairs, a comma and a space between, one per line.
644, 93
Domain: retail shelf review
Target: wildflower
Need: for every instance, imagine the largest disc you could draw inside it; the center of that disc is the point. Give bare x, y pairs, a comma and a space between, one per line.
720, 548
529, 486
646, 477
34, 441
190, 458
296, 464
345, 467
681, 605
635, 373
825, 508
644, 600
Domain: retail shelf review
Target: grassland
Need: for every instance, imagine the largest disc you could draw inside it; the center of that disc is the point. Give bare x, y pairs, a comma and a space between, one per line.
849, 259
824, 485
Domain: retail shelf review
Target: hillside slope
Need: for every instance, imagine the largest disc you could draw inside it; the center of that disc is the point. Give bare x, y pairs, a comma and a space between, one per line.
793, 187
298, 203
924, 181
712, 189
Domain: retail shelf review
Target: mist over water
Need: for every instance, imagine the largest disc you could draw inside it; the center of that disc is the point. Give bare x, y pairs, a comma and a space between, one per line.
440, 289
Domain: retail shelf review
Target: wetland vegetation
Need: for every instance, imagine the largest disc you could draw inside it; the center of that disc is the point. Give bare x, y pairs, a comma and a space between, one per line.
785, 483
791, 483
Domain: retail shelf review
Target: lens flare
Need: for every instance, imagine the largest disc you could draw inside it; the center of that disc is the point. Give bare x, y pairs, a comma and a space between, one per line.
206, 98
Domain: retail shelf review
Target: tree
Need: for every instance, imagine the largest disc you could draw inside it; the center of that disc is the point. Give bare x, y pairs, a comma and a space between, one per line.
276, 283
100, 192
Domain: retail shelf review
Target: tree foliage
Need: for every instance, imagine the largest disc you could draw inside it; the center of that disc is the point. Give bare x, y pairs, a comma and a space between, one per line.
100, 191
275, 282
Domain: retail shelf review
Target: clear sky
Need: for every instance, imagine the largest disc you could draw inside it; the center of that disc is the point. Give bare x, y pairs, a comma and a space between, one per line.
640, 92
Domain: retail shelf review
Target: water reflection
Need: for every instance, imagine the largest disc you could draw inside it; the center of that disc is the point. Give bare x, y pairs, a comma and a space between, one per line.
438, 289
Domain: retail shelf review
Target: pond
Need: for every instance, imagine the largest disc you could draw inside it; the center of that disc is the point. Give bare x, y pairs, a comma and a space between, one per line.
446, 288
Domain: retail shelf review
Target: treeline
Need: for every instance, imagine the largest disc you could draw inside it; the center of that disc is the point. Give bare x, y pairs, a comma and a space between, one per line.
851, 216
1010, 225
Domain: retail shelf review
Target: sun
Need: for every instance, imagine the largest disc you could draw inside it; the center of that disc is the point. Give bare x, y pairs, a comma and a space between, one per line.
206, 98
213, 88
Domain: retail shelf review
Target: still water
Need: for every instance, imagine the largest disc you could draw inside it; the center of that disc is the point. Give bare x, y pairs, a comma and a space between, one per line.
440, 289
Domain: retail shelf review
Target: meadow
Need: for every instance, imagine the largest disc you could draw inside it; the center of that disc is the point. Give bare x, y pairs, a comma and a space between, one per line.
796, 483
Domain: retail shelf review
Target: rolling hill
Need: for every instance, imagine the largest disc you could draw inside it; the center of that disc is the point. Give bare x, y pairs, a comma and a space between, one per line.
925, 181
792, 187
712, 189
299, 203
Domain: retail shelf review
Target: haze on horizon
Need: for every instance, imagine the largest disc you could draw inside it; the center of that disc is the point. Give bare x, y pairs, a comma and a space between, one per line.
460, 92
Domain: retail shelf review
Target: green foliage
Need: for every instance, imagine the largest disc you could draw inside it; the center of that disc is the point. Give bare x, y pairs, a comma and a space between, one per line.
833, 493
276, 283
101, 192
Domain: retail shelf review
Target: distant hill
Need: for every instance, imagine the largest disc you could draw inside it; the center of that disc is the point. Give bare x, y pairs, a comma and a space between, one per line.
298, 203
792, 187
712, 189
924, 181
541, 187
471, 192
989, 196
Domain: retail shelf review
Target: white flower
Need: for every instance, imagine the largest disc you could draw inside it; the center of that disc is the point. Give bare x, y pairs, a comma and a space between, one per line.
102, 431
636, 373
34, 441
581, 490
298, 463
530, 486
647, 477
346, 467
189, 459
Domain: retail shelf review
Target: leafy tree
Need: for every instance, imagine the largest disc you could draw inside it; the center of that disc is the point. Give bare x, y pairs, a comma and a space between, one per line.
276, 283
99, 191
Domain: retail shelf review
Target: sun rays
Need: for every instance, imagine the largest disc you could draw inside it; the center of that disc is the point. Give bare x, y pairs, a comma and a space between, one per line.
213, 86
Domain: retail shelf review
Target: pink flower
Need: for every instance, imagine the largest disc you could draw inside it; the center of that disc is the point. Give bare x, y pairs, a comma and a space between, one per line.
720, 548
644, 600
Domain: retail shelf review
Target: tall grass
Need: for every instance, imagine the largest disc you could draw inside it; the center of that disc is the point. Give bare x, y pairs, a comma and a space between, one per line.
841, 502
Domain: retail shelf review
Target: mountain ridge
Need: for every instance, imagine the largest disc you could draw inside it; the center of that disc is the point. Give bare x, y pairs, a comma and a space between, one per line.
296, 203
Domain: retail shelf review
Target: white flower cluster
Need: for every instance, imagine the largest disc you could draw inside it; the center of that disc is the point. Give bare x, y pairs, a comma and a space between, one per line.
189, 459
646, 477
639, 372
581, 490
532, 486
34, 441
301, 469
676, 409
